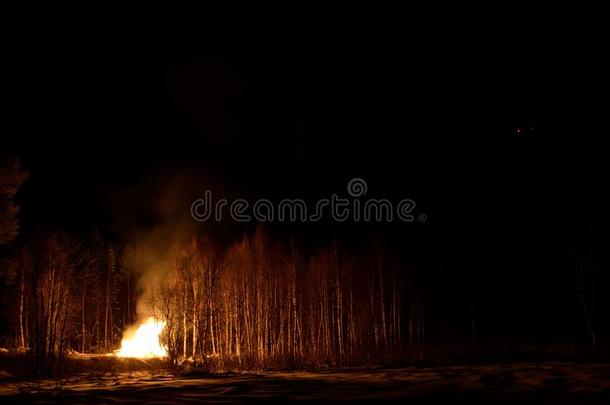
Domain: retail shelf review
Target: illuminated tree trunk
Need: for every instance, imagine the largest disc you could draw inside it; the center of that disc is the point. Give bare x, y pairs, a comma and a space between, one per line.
107, 312
195, 318
184, 335
211, 317
22, 309
238, 329
108, 299
83, 327
339, 317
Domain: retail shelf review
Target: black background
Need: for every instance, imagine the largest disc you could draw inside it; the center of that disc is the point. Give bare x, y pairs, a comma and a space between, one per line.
492, 121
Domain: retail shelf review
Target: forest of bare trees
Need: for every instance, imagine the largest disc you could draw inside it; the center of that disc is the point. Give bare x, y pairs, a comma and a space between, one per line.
261, 304
70, 296
253, 304
256, 302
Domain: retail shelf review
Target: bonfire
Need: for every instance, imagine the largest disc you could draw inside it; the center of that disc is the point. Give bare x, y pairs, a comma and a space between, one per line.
142, 341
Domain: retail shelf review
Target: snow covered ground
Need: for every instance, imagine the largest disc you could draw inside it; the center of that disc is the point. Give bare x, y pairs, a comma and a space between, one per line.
523, 383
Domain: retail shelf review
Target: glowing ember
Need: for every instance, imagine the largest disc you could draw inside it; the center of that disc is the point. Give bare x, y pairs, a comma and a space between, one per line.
143, 341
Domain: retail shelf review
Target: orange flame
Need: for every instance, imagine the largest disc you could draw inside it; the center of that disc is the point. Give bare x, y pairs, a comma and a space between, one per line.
143, 341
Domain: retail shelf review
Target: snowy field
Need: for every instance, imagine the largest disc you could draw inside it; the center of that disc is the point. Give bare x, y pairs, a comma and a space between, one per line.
522, 383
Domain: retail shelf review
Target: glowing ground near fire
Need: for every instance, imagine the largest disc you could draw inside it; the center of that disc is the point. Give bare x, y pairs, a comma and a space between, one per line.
142, 341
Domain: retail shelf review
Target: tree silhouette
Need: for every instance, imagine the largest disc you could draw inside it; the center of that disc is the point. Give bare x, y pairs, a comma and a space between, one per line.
11, 178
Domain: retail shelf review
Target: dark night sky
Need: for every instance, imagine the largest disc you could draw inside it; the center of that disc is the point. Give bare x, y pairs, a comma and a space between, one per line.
107, 113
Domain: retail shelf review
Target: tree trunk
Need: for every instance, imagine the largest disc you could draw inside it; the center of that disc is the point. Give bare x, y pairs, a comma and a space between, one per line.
21, 309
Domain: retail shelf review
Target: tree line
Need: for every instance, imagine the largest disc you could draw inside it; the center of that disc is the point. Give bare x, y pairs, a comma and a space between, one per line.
67, 295
260, 304
255, 303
